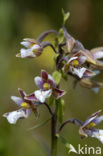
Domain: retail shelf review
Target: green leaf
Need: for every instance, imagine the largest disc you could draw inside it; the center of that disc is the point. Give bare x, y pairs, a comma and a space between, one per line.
56, 76
65, 16
61, 36
60, 109
39, 125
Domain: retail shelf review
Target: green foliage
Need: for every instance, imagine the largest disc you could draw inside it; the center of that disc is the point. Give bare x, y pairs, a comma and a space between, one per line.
60, 109
65, 16
57, 76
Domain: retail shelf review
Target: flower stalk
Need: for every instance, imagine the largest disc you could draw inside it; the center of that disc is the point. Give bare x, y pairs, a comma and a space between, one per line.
54, 139
44, 34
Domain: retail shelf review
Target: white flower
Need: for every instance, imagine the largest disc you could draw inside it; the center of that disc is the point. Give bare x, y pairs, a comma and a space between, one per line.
12, 117
42, 95
32, 49
26, 53
77, 71
98, 134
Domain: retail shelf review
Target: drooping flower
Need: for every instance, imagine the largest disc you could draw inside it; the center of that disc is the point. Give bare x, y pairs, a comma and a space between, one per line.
47, 87
74, 66
32, 49
26, 107
87, 128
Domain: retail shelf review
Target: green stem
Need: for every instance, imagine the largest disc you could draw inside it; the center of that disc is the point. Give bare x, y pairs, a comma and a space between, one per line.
53, 135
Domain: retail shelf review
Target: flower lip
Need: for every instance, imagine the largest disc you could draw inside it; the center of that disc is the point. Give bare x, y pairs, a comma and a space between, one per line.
26, 53
42, 95
12, 117
78, 71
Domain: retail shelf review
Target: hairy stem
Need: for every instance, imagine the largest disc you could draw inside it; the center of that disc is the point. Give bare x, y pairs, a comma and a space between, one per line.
44, 34
73, 121
53, 135
46, 44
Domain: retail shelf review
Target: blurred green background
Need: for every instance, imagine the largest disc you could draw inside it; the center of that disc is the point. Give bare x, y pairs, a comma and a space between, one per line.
29, 18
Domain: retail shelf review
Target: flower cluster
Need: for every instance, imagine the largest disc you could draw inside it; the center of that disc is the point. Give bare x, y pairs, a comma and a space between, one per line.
81, 63
29, 103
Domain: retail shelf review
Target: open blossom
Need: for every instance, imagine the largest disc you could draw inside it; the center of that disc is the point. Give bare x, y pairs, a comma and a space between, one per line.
32, 49
74, 66
47, 87
26, 107
87, 128
81, 63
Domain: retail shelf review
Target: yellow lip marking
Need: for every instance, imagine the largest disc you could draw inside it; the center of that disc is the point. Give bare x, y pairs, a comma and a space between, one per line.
25, 105
46, 86
31, 45
92, 124
75, 63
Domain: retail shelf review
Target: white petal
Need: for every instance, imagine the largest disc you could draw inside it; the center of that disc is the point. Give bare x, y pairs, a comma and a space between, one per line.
26, 53
99, 135
42, 95
25, 44
78, 71
17, 100
35, 46
12, 117
47, 93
